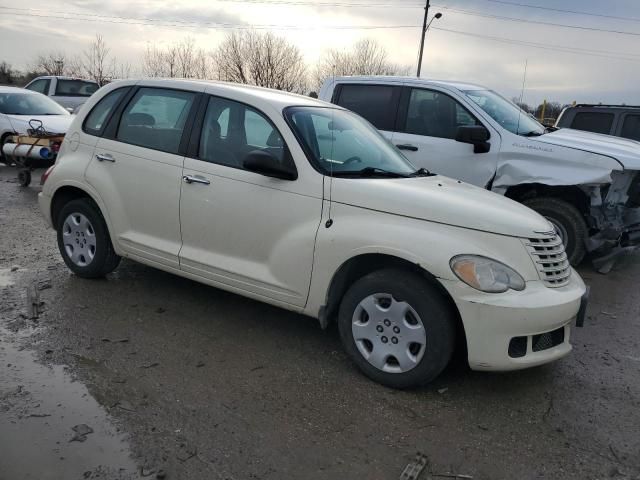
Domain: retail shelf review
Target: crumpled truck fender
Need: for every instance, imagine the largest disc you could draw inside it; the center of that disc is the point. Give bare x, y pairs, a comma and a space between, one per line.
526, 162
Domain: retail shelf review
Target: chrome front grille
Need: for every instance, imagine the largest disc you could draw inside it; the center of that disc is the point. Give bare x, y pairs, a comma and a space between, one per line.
550, 258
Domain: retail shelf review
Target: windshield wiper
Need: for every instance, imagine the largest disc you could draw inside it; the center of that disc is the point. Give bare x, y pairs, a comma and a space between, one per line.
423, 172
371, 172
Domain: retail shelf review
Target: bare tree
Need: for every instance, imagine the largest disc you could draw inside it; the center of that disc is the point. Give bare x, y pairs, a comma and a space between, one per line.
57, 63
262, 59
97, 65
366, 57
181, 59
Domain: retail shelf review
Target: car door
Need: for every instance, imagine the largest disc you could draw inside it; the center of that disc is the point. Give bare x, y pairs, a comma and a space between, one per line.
137, 171
241, 230
427, 124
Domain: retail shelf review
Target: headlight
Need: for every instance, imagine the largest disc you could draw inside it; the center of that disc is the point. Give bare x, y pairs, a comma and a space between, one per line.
485, 274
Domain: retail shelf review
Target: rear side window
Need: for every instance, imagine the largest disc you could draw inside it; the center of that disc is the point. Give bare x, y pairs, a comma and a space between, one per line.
97, 119
75, 88
40, 86
155, 118
596, 122
376, 103
631, 127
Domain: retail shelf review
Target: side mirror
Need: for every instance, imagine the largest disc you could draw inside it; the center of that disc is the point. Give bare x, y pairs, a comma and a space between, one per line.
264, 163
476, 135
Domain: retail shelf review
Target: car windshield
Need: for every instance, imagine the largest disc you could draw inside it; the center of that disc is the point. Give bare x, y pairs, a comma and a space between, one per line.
341, 143
29, 104
507, 114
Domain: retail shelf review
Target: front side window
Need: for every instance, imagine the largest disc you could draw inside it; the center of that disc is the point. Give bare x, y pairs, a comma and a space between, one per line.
631, 127
340, 142
40, 86
29, 104
75, 88
596, 122
155, 118
96, 120
435, 114
231, 130
507, 114
376, 103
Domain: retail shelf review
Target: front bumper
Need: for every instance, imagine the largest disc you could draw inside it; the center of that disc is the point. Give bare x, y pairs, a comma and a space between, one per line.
540, 314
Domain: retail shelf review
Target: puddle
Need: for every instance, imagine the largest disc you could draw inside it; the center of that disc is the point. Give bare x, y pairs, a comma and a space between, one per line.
39, 406
6, 279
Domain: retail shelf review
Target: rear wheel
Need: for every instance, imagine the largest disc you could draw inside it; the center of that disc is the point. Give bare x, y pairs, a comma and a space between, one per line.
6, 159
83, 240
24, 178
397, 328
568, 223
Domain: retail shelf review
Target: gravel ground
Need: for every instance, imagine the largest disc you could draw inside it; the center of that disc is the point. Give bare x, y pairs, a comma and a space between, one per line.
176, 376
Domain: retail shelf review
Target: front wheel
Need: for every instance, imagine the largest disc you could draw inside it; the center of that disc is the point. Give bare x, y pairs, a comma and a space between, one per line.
398, 329
567, 222
83, 240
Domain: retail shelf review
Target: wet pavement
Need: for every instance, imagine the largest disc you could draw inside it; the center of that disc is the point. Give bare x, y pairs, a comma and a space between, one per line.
182, 378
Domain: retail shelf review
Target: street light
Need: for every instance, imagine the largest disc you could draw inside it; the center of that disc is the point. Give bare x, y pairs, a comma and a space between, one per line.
425, 27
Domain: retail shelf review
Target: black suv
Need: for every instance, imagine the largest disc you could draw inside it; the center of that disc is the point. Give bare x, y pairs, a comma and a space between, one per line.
616, 120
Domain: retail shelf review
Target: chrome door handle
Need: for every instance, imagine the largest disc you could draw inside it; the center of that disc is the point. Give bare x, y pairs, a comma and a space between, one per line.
195, 179
105, 157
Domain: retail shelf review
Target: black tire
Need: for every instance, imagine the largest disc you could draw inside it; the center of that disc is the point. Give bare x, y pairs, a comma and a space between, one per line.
570, 220
105, 259
6, 159
430, 305
24, 178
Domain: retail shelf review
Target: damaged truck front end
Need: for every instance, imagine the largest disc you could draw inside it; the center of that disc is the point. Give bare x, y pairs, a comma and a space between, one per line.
613, 218
587, 185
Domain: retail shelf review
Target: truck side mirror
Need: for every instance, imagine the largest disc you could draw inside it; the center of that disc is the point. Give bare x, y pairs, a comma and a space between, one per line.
476, 135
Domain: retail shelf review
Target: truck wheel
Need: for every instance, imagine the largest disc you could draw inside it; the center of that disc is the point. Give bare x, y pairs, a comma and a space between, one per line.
568, 222
83, 240
397, 328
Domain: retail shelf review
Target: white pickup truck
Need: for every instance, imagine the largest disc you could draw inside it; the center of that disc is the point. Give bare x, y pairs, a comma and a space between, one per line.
587, 185
69, 92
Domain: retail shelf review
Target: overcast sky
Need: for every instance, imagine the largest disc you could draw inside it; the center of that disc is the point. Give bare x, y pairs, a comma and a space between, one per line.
599, 66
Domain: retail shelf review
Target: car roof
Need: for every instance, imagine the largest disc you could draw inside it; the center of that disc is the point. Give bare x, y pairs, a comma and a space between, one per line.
6, 89
277, 98
406, 79
63, 77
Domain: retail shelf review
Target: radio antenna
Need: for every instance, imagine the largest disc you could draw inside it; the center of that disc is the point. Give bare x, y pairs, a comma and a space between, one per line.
524, 81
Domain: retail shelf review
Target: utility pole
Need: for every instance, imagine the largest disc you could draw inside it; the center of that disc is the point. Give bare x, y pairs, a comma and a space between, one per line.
424, 32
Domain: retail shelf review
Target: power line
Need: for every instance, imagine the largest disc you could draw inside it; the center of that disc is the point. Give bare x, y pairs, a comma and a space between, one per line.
576, 12
328, 4
546, 46
536, 22
186, 24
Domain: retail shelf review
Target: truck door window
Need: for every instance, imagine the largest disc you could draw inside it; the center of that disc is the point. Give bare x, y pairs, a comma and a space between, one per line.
435, 114
376, 103
40, 86
597, 122
631, 127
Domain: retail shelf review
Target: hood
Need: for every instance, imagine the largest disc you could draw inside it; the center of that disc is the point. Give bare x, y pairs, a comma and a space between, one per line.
51, 123
626, 152
443, 200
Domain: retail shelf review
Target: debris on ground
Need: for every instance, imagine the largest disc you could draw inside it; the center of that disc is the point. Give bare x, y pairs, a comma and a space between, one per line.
150, 365
413, 470
82, 431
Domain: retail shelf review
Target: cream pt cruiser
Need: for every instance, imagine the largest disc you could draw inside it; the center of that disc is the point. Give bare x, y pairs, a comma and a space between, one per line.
302, 204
